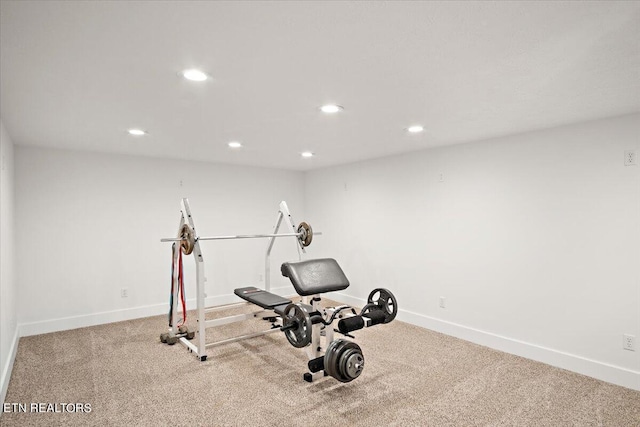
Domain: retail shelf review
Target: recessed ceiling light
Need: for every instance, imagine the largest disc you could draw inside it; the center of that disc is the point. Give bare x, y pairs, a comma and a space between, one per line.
415, 129
307, 154
234, 144
331, 108
195, 75
137, 132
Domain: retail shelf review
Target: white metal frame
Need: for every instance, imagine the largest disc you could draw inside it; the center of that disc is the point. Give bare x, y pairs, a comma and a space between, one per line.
200, 346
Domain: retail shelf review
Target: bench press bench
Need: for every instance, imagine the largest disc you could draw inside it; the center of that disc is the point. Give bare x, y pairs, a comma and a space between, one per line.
263, 299
306, 324
312, 277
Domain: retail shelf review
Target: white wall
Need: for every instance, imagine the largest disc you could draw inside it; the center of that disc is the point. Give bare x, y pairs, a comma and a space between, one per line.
90, 224
8, 288
533, 239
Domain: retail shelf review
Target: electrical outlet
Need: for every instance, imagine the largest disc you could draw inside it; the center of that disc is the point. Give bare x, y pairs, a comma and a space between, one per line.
124, 292
441, 177
443, 301
630, 158
629, 342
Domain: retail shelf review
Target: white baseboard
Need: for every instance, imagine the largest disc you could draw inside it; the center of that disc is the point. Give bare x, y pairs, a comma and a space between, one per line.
93, 319
571, 362
8, 367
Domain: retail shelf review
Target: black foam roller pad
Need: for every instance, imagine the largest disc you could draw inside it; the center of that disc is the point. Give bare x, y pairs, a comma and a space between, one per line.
376, 316
350, 324
316, 365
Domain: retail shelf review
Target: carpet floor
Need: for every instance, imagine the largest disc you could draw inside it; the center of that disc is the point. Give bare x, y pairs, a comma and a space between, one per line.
413, 377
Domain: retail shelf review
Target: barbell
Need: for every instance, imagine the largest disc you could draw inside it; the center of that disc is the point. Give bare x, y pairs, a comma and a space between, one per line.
188, 239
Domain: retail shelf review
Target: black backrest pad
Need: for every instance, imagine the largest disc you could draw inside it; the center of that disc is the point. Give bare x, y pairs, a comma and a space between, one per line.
315, 276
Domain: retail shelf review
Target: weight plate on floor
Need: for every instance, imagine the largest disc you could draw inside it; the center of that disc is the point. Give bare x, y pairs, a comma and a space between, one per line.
385, 300
187, 239
306, 233
300, 335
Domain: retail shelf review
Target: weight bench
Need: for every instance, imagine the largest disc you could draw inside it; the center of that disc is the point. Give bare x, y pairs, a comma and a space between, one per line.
311, 277
315, 276
263, 299
304, 324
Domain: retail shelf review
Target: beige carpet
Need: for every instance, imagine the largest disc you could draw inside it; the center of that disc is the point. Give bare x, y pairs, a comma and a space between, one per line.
413, 377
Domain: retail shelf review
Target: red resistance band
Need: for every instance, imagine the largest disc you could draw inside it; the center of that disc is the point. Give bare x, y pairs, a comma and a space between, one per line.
180, 287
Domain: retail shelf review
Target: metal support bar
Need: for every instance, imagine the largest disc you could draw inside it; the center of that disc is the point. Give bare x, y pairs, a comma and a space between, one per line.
283, 213
232, 319
267, 261
193, 348
242, 337
225, 306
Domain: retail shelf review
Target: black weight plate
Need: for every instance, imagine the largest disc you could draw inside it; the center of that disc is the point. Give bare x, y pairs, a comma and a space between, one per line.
342, 362
332, 361
328, 356
386, 301
300, 336
346, 350
350, 362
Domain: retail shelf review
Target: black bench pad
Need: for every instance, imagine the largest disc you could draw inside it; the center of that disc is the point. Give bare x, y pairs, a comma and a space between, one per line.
262, 298
315, 276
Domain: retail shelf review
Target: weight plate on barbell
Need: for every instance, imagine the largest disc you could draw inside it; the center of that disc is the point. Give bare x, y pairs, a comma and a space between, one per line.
300, 335
344, 360
349, 350
187, 239
351, 362
330, 357
385, 301
333, 359
306, 233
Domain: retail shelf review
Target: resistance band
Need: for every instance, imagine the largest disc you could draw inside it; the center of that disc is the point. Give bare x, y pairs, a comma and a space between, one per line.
180, 285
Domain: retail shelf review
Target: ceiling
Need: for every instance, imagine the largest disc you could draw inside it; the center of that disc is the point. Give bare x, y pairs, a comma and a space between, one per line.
77, 75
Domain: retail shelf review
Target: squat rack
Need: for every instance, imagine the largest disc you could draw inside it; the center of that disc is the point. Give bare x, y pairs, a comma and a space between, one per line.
186, 218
